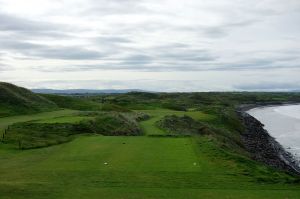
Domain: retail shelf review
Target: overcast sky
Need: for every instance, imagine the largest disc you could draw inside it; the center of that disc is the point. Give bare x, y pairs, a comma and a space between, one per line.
157, 45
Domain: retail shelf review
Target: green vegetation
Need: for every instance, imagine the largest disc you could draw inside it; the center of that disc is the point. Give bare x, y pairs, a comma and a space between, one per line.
34, 135
112, 124
150, 128
16, 100
64, 119
6, 121
137, 167
135, 145
184, 125
113, 107
47, 132
67, 102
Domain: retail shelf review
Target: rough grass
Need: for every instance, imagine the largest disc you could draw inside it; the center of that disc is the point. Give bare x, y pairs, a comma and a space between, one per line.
182, 125
29, 135
64, 119
6, 121
57, 130
149, 126
16, 100
75, 103
113, 124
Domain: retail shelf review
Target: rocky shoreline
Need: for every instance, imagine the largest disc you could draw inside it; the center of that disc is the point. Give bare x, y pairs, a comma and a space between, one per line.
263, 147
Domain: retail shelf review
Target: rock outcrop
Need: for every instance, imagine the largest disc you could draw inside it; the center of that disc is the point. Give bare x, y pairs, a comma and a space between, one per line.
265, 148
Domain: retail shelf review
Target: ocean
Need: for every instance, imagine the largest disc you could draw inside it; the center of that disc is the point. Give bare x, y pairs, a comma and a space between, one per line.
282, 123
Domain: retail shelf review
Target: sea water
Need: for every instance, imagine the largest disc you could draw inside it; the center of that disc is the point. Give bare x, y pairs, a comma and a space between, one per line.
282, 123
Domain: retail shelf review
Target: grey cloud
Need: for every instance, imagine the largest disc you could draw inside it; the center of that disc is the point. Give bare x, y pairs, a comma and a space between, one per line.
17, 45
113, 7
270, 86
137, 59
50, 52
219, 31
5, 67
214, 32
145, 84
23, 29
175, 65
249, 64
190, 55
13, 23
112, 39
172, 46
68, 53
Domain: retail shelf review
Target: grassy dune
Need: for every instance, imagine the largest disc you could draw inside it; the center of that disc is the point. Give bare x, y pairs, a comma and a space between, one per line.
16, 100
150, 128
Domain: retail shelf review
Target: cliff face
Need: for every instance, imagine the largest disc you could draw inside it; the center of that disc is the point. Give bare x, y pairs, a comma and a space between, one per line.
265, 148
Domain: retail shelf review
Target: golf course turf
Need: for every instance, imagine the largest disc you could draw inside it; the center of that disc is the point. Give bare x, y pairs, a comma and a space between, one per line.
96, 166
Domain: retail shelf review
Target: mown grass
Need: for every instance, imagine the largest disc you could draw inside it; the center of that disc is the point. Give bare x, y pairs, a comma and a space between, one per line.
140, 167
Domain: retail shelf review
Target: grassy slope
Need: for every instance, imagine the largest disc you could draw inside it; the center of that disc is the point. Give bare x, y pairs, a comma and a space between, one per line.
73, 102
17, 100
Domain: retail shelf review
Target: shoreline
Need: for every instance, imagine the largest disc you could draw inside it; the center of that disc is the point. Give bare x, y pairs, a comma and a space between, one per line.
247, 107
261, 145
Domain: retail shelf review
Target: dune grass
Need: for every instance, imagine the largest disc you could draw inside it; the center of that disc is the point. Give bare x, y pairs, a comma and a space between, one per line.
150, 128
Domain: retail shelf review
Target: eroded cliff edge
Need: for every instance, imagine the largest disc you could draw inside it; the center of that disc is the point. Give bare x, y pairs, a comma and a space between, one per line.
263, 147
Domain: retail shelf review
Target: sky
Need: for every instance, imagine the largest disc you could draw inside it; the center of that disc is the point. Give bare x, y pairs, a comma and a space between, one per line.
154, 45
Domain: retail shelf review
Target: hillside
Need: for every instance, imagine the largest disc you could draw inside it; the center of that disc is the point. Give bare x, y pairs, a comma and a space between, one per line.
73, 102
17, 100
84, 91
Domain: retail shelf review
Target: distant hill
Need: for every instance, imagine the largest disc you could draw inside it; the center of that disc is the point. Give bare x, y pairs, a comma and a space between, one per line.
17, 100
84, 91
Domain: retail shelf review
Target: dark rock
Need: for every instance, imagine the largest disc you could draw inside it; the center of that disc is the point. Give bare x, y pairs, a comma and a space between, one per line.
264, 148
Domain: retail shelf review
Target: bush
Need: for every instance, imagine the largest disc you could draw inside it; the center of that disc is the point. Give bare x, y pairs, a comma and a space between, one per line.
114, 107
184, 125
33, 135
173, 106
114, 124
